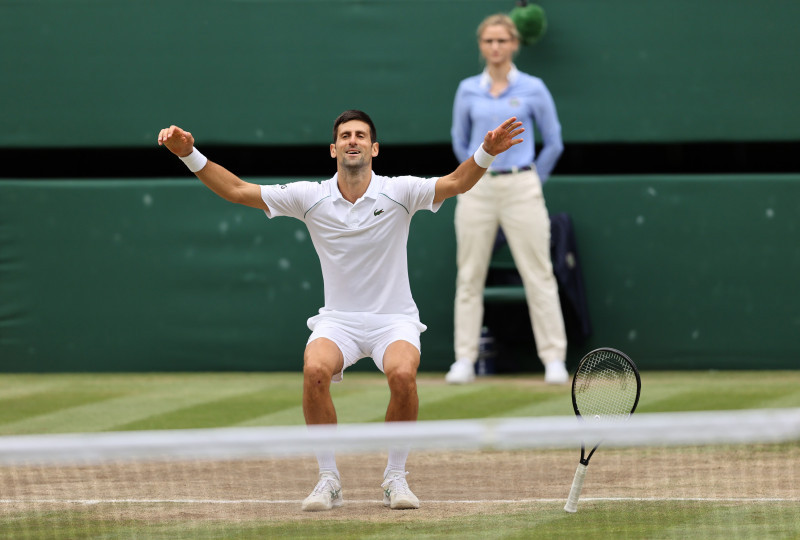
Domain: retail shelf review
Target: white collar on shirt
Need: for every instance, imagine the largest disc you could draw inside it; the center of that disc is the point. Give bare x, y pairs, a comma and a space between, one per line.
486, 80
371, 193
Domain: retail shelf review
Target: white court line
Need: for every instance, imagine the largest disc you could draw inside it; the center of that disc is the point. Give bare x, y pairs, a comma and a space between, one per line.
367, 501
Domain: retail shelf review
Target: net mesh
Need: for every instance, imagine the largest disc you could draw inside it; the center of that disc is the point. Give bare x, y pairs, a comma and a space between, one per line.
710, 475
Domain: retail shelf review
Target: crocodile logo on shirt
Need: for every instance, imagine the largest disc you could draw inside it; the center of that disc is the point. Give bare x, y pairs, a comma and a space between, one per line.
378, 212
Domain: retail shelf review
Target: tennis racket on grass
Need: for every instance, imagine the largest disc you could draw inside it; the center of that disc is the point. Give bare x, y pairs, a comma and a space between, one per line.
605, 388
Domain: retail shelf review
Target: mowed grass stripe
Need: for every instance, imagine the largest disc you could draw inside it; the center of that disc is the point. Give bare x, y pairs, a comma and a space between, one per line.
292, 416
221, 412
527, 395
172, 407
718, 391
356, 403
367, 404
24, 408
681, 519
554, 405
141, 397
482, 402
104, 402
706, 400
785, 401
366, 398
20, 385
596, 520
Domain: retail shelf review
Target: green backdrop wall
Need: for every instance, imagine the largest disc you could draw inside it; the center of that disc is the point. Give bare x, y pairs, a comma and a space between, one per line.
160, 274
91, 73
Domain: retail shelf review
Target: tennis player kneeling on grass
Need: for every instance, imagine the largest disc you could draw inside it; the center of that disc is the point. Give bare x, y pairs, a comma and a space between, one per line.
359, 223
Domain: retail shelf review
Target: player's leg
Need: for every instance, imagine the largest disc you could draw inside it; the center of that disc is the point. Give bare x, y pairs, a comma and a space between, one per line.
396, 351
476, 224
322, 361
400, 364
527, 226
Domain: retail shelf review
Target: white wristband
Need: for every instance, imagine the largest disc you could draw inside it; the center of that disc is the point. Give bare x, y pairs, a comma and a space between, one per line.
483, 158
195, 161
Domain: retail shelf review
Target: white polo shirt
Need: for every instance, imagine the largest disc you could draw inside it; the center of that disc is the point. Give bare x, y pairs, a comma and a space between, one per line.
362, 246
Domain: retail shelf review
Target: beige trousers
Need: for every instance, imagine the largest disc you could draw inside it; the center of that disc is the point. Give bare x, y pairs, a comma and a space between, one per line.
516, 203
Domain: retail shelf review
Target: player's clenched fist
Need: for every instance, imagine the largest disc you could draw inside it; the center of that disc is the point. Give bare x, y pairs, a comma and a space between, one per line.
178, 141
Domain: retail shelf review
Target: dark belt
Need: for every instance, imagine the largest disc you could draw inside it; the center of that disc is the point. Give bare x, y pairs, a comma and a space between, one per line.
512, 170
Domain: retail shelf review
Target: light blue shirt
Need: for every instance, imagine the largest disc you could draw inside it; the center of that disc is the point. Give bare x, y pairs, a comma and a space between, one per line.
476, 111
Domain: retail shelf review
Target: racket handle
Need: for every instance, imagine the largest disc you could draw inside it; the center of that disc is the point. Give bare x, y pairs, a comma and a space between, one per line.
575, 492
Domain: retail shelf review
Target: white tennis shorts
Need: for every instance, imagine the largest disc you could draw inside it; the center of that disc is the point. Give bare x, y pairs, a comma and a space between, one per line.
362, 335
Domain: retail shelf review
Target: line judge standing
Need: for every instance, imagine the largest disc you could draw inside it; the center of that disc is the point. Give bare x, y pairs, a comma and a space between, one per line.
509, 195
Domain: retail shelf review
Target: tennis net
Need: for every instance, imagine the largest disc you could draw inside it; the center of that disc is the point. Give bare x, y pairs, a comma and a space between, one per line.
731, 474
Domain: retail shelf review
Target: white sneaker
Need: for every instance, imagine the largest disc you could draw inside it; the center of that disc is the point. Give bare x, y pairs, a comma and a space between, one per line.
396, 493
461, 372
555, 373
326, 495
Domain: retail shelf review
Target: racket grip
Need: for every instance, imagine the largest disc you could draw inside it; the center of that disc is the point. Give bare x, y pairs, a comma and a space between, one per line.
575, 492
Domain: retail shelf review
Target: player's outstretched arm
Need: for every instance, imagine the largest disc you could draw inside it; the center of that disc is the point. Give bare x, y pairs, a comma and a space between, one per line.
473, 168
219, 179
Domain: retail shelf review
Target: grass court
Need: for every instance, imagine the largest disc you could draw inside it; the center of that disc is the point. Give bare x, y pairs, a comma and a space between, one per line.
704, 492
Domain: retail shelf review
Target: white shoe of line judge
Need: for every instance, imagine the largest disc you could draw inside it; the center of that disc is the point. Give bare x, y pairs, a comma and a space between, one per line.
463, 372
555, 373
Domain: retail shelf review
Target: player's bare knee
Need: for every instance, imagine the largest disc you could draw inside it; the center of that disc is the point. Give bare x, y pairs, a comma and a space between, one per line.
402, 379
321, 360
317, 374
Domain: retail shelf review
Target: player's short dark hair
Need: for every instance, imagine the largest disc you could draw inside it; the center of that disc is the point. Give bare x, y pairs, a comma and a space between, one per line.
354, 114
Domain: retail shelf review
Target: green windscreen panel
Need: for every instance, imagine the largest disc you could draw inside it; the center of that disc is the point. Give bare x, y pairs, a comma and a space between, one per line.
141, 275
90, 73
690, 271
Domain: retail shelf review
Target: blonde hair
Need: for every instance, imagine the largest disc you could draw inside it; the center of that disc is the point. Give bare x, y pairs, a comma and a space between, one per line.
499, 19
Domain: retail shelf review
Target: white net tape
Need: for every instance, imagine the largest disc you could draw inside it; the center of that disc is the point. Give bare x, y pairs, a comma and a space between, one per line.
661, 429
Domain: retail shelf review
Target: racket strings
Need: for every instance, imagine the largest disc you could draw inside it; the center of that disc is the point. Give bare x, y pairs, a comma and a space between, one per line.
605, 387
